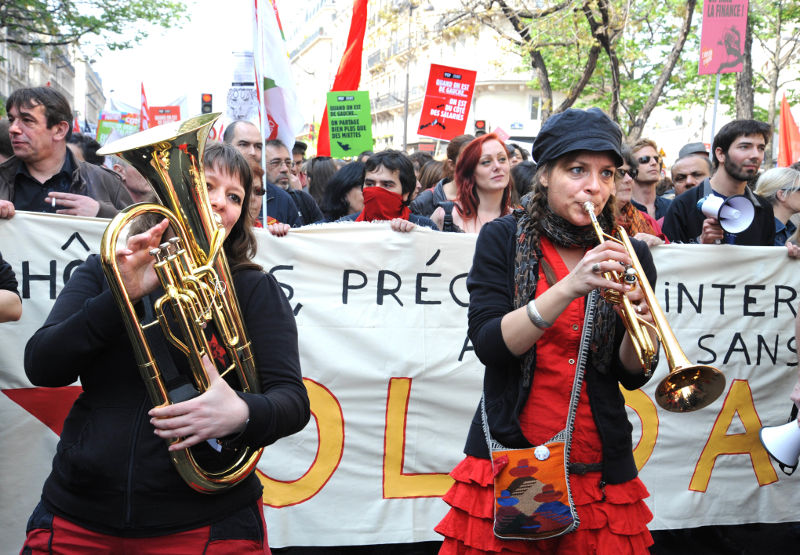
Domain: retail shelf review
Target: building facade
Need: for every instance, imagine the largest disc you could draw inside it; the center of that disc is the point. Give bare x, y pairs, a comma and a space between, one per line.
65, 69
402, 40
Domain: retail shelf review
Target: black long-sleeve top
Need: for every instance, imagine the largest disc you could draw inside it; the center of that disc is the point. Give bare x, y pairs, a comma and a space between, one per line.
7, 279
491, 287
111, 473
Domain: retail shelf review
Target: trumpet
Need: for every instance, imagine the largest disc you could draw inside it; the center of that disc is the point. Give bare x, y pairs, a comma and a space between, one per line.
687, 387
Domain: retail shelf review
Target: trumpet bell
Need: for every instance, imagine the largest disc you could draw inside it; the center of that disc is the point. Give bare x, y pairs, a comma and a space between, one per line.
782, 443
690, 388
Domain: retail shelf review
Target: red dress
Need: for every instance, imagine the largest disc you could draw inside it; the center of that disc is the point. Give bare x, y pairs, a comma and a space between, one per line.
613, 519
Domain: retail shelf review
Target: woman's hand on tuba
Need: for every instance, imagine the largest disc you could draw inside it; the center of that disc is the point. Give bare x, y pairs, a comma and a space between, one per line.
136, 264
217, 413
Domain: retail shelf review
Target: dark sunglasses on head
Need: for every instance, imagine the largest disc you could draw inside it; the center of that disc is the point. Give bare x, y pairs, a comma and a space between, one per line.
646, 159
621, 173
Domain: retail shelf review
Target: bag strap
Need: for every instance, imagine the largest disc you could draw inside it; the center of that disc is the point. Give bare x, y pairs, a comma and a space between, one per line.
447, 205
577, 384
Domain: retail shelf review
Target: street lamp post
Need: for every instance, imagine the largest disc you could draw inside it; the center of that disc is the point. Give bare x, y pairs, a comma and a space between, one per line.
408, 63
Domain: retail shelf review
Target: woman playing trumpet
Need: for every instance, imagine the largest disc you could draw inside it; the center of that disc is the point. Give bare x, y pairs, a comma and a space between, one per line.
528, 285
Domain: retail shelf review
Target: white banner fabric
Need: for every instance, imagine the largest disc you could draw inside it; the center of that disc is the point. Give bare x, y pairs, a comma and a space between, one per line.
394, 382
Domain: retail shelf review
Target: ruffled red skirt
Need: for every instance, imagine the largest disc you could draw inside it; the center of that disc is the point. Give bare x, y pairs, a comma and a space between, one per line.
616, 525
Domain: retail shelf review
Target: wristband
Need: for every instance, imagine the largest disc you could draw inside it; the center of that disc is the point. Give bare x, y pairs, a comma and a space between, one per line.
536, 318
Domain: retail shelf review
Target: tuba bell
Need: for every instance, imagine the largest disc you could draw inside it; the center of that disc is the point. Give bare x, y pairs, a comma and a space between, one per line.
198, 291
687, 387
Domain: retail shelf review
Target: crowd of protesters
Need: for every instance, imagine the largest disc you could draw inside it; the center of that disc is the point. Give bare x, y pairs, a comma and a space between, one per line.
480, 185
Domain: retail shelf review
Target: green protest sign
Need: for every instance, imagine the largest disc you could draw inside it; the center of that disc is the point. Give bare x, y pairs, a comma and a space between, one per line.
107, 129
349, 123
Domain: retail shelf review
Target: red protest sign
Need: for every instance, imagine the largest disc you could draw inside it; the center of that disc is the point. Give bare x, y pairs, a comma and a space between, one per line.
447, 100
164, 114
722, 38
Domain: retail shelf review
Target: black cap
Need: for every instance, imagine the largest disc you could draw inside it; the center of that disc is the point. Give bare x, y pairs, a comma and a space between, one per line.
575, 129
692, 148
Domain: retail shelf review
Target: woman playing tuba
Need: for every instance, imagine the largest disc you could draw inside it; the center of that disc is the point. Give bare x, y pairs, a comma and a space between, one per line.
113, 487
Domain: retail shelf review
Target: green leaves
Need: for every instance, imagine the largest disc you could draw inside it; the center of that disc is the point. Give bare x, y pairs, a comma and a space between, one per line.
118, 23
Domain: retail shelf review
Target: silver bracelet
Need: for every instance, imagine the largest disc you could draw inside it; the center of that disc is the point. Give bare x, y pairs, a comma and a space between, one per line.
536, 318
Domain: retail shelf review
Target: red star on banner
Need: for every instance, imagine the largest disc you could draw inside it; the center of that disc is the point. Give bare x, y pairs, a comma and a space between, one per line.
48, 404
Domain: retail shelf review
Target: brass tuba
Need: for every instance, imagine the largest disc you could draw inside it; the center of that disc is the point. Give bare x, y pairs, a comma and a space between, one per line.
687, 387
198, 290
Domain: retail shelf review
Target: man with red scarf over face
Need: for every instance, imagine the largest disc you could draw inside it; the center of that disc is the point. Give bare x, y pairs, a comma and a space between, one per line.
388, 184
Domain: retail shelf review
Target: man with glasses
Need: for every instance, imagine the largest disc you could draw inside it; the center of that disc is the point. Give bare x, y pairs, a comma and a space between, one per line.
648, 167
279, 172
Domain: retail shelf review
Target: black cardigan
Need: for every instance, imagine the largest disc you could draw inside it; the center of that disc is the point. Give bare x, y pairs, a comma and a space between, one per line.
111, 473
491, 285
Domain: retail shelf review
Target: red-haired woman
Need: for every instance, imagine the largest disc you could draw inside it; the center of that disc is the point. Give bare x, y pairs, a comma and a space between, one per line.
483, 182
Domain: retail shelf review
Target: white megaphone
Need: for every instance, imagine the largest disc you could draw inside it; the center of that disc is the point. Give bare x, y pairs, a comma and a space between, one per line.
734, 214
782, 443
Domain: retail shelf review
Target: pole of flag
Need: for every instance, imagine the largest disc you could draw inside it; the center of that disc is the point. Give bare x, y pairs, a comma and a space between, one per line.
279, 116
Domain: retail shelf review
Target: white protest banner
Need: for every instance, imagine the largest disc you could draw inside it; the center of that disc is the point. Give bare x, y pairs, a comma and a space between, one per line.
394, 383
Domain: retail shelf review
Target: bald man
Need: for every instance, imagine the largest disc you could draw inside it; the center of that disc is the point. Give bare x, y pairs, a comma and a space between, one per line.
690, 171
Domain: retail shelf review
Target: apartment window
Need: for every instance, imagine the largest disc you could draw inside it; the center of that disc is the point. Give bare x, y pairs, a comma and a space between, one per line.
536, 107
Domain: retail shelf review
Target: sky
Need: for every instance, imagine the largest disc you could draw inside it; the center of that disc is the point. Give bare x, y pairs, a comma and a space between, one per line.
190, 61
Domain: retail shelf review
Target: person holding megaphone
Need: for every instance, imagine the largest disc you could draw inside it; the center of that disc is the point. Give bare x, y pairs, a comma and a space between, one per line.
722, 209
782, 442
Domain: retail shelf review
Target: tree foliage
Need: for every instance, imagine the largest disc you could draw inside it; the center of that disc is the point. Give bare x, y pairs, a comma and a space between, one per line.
118, 23
776, 31
621, 55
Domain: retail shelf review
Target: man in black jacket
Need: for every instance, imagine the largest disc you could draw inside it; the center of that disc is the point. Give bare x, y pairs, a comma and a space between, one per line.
279, 171
43, 176
738, 152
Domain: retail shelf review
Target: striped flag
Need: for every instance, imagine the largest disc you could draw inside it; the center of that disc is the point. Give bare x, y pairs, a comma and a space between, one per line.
278, 113
144, 113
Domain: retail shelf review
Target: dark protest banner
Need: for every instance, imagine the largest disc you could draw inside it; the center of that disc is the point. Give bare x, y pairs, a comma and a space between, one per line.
447, 100
350, 123
722, 38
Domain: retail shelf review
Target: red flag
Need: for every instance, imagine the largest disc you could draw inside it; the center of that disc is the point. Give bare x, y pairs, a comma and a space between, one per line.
144, 113
348, 76
788, 137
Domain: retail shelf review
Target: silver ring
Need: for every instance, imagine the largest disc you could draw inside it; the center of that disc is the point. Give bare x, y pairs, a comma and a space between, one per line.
596, 268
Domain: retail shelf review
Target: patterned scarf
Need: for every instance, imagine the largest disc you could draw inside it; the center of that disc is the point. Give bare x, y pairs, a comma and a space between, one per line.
526, 274
631, 219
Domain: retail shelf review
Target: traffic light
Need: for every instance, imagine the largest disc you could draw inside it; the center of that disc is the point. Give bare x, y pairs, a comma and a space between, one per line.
480, 127
205, 103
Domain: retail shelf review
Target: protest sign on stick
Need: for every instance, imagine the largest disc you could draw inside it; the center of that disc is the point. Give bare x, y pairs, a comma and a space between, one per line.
447, 100
722, 38
164, 114
349, 123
